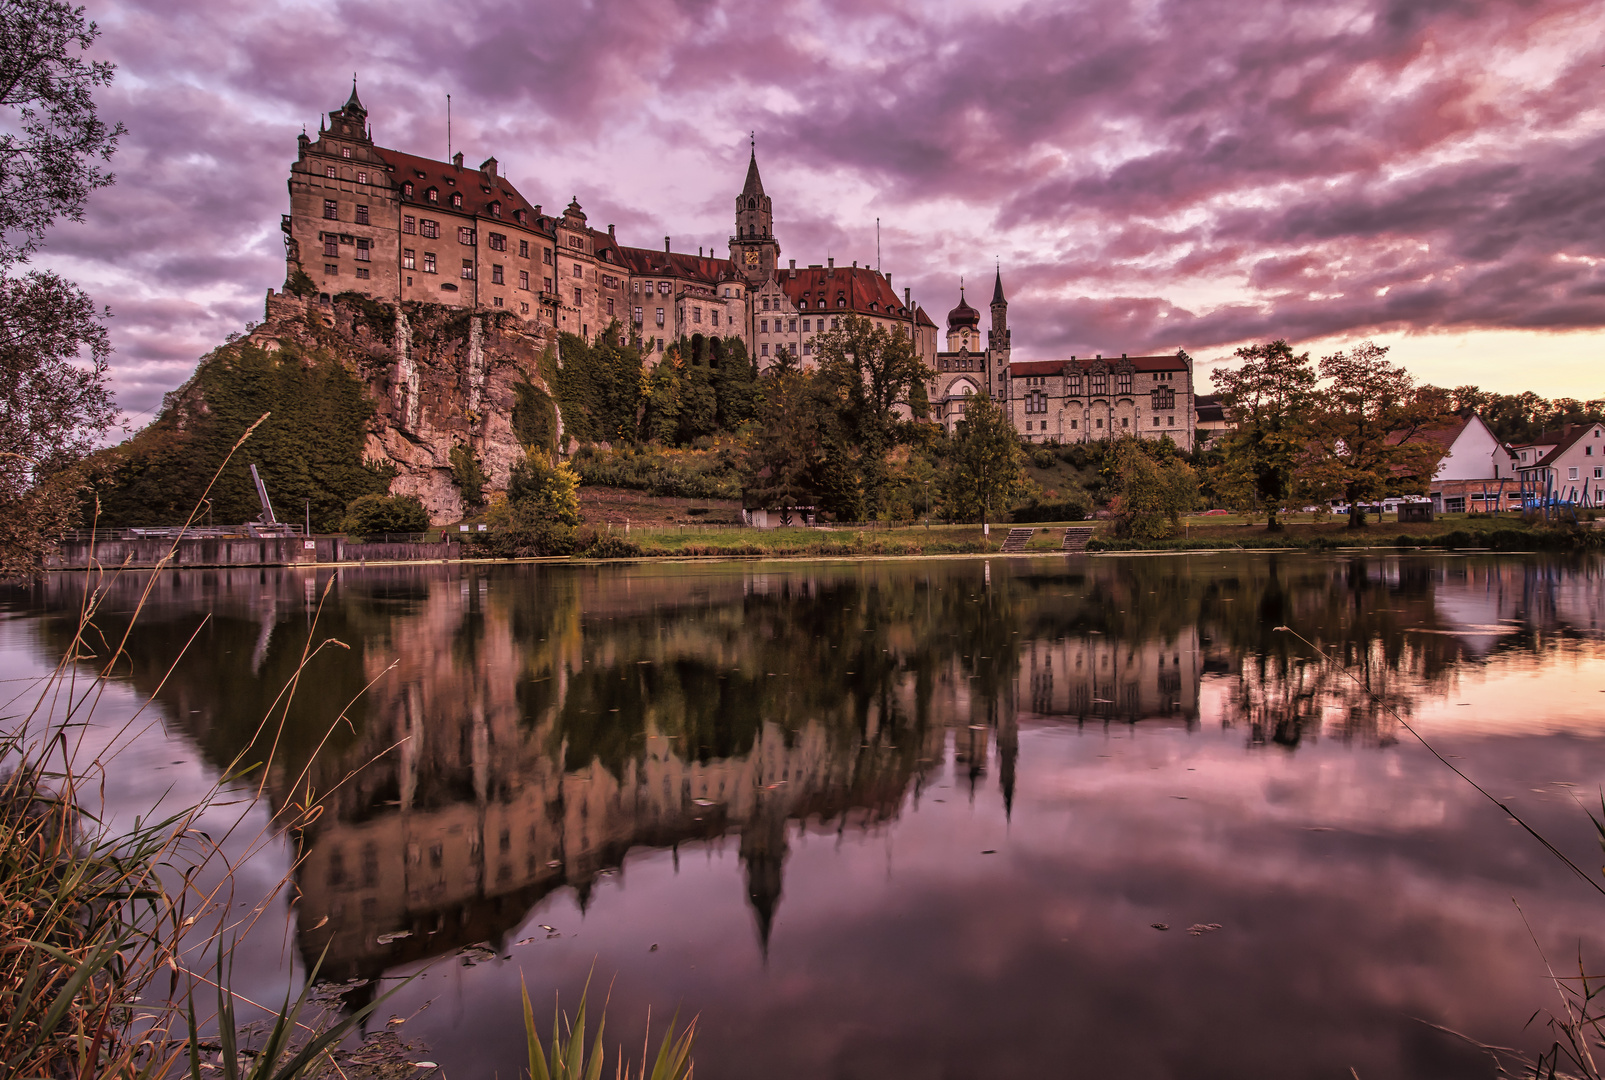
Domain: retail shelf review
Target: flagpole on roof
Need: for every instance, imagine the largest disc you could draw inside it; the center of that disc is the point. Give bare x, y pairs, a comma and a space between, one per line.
448, 127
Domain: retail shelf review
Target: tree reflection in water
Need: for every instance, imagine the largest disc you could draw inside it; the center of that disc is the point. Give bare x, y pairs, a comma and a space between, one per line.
542, 721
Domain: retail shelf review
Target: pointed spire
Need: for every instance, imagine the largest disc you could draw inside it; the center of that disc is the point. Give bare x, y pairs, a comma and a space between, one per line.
997, 287
354, 103
753, 186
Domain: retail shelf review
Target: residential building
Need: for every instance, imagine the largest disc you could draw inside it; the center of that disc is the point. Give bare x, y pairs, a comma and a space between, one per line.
1568, 465
1477, 472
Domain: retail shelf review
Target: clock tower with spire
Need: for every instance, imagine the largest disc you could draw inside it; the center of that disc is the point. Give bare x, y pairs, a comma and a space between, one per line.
753, 248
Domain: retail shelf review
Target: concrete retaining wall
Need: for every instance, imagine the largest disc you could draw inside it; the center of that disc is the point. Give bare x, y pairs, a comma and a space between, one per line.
210, 551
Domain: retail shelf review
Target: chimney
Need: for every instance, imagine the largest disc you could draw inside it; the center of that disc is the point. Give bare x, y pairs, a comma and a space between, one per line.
665, 245
457, 159
831, 263
699, 251
610, 235
855, 264
888, 279
488, 167
794, 267
908, 298
537, 209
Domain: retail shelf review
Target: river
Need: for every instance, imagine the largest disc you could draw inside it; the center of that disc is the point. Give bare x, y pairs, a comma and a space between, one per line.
918, 818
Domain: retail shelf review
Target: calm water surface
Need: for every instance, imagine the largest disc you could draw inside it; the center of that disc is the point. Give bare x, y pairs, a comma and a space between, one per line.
904, 818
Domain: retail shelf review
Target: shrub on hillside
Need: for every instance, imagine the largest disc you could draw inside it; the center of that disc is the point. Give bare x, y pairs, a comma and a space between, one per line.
1044, 458
686, 474
1073, 507
374, 515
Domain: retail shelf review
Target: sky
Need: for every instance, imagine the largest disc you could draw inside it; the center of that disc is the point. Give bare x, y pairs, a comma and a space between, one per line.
1194, 174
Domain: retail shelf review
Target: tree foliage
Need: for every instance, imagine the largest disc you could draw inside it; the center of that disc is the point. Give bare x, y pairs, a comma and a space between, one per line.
1269, 398
785, 453
1519, 418
599, 386
1153, 488
1367, 436
986, 467
538, 491
376, 515
468, 474
872, 375
309, 448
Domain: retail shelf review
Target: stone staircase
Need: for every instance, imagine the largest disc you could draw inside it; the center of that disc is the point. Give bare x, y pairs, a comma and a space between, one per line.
1075, 539
1016, 540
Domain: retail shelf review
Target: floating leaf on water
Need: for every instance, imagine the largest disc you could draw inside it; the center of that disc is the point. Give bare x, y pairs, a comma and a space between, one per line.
396, 1020
548, 929
525, 941
1160, 926
425, 1065
385, 939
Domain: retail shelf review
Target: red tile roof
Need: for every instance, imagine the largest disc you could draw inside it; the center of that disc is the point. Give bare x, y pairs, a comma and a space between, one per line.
865, 291
646, 262
1570, 436
447, 178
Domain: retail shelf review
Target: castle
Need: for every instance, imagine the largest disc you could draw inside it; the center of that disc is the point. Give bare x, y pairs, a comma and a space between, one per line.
398, 227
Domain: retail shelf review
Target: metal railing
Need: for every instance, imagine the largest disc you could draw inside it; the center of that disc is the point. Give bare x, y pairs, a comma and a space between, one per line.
249, 531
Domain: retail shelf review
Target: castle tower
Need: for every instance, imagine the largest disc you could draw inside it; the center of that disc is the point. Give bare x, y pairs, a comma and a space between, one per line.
753, 249
998, 340
963, 327
350, 121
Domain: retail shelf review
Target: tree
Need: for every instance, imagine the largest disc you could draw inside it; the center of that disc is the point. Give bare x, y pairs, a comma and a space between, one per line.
1269, 398
785, 453
375, 515
54, 402
599, 385
1367, 436
468, 474
539, 491
986, 468
1153, 488
872, 374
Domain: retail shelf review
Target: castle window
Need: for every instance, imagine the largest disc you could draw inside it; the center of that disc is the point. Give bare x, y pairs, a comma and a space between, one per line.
496, 274
841, 301
806, 326
496, 301
715, 314
362, 177
1075, 384
546, 256
521, 217
523, 279
498, 242
363, 246
465, 236
433, 194
578, 271
660, 317
409, 261
409, 224
1163, 398
1074, 424
328, 170
1100, 382
468, 269
576, 242
578, 297
496, 209
362, 273
406, 190
752, 204
457, 199
1170, 421
763, 350
331, 210
362, 215
791, 325
523, 249
660, 344
523, 309
546, 283
429, 262
663, 288
638, 316
331, 246
1125, 421
331, 269
345, 151
835, 323
1123, 382
696, 313
610, 305
763, 326
808, 348
429, 229
766, 303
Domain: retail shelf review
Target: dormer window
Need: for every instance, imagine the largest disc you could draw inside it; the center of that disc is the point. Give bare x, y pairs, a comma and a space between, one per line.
841, 301
406, 189
457, 199
520, 216
433, 194
496, 209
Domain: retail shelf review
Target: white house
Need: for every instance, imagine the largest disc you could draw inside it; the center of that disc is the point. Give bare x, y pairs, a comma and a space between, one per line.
1573, 468
1475, 470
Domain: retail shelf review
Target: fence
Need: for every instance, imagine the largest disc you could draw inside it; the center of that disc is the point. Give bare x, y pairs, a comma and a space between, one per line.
145, 552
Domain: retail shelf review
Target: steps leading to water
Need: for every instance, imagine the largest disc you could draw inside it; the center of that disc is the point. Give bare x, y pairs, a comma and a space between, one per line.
1075, 539
1016, 540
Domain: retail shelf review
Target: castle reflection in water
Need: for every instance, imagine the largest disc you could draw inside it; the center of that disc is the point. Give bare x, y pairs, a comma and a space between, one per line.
513, 731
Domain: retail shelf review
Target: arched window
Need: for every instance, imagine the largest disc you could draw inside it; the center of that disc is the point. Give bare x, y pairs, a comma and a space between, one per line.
752, 204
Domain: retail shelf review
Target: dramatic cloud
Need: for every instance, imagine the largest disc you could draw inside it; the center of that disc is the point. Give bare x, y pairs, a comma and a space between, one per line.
1151, 175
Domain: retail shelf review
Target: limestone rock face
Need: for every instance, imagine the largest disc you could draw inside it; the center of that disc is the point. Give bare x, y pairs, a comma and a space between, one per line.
438, 376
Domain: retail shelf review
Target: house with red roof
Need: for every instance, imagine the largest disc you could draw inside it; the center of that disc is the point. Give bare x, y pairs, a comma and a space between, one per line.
1567, 465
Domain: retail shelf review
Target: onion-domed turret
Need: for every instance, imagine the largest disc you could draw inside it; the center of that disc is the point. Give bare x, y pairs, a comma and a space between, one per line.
963, 315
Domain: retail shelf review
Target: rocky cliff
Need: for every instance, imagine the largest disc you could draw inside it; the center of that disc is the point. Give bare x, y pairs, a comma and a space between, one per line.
401, 387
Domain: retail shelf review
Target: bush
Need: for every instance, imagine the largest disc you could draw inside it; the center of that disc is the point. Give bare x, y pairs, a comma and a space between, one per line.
468, 474
540, 492
1509, 540
1074, 507
685, 474
610, 546
1044, 458
372, 515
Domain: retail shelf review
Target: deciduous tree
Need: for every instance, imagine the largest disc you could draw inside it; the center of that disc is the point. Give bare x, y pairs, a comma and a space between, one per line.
1368, 434
873, 375
1268, 398
1152, 490
986, 468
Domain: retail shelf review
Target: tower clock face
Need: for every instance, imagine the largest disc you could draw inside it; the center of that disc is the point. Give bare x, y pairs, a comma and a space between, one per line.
752, 257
